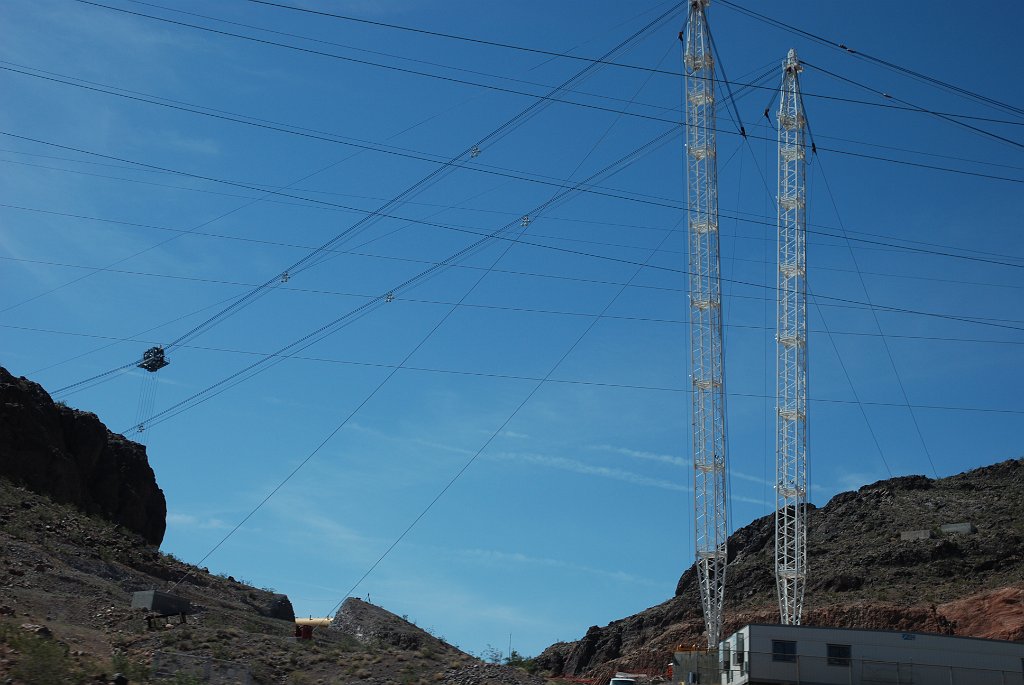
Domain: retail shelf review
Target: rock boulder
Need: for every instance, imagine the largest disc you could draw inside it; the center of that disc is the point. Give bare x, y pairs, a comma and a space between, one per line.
70, 456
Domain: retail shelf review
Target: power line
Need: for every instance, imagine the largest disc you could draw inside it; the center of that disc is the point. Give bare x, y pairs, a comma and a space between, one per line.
668, 269
465, 467
513, 272
212, 220
575, 381
347, 418
842, 47
659, 202
561, 277
853, 389
270, 124
345, 319
498, 88
878, 326
983, 321
654, 201
306, 132
148, 330
452, 36
923, 110
533, 391
192, 231
366, 145
562, 55
887, 244
394, 56
316, 134
510, 308
332, 251
359, 311
595, 190
496, 134
556, 197
484, 238
291, 129
237, 209
499, 171
413, 72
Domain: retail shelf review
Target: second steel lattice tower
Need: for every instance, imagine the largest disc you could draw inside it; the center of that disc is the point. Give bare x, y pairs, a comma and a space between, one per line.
791, 351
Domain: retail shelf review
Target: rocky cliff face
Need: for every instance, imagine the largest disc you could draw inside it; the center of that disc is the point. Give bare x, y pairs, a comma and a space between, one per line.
70, 456
863, 574
373, 625
377, 628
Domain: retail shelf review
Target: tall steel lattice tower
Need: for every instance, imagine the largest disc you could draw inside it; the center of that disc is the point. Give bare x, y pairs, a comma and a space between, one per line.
791, 350
709, 440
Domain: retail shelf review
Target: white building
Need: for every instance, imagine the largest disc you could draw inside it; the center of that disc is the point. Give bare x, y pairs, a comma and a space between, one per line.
807, 655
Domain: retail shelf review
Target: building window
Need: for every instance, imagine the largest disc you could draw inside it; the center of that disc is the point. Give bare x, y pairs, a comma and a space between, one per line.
838, 655
783, 650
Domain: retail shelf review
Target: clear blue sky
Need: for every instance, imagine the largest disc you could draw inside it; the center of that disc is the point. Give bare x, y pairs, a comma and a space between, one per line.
578, 511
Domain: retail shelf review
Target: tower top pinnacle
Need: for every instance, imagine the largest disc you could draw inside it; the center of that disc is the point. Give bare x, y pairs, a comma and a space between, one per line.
793, 62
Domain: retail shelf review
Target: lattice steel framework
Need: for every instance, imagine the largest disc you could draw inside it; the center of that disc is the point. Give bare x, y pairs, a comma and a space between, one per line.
791, 349
708, 408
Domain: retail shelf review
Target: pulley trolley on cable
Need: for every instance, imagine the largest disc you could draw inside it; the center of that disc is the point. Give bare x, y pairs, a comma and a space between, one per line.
153, 359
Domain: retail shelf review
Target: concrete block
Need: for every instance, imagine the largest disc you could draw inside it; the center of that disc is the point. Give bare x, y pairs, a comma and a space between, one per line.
695, 667
962, 528
915, 534
161, 602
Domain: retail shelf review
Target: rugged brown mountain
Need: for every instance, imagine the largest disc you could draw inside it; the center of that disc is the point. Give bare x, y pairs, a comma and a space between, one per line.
80, 517
72, 577
65, 593
70, 456
863, 573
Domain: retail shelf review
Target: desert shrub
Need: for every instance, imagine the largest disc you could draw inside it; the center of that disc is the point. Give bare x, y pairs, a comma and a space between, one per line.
42, 660
135, 671
409, 675
182, 679
525, 663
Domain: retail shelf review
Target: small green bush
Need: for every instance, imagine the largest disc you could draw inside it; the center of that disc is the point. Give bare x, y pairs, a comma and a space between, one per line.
42, 660
135, 671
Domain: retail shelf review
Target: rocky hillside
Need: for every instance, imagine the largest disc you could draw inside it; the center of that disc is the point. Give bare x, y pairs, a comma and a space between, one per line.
72, 457
81, 516
65, 594
375, 627
66, 583
370, 624
864, 573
